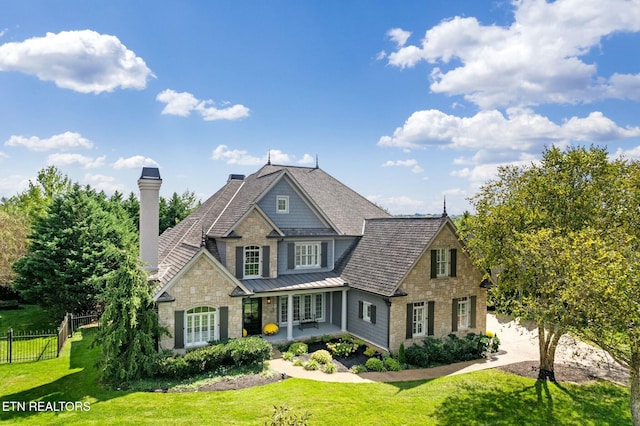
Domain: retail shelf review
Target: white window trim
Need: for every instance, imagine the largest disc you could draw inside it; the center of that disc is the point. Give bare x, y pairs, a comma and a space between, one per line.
298, 300
318, 255
464, 319
442, 262
420, 306
366, 311
244, 261
201, 338
284, 198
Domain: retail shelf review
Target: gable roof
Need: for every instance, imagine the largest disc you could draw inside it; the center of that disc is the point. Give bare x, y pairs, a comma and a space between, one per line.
342, 208
388, 250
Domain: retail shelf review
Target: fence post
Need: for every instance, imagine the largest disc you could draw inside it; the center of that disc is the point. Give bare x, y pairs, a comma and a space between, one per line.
10, 344
70, 326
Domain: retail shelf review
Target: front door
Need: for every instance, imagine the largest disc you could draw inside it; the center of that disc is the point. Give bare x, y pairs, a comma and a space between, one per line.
252, 316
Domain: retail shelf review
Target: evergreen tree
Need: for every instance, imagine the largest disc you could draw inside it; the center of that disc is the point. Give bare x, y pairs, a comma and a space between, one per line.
72, 248
130, 326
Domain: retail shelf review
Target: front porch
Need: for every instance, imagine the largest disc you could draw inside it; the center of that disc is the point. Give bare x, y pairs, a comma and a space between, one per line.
324, 328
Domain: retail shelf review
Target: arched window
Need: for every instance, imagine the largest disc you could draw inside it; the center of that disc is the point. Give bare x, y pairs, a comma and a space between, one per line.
251, 261
202, 326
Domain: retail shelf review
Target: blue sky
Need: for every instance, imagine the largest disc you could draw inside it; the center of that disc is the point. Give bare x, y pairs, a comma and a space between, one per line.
405, 102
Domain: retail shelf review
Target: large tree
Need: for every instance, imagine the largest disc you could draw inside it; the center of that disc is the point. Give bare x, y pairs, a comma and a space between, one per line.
72, 248
517, 217
130, 329
13, 242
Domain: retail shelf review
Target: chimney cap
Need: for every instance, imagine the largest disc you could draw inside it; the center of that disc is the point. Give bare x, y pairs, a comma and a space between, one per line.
150, 173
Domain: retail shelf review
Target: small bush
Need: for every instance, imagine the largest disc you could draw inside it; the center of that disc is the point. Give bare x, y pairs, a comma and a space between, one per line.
249, 351
330, 368
288, 356
374, 364
298, 363
322, 356
370, 351
357, 369
298, 348
392, 364
284, 416
402, 357
312, 365
417, 356
326, 338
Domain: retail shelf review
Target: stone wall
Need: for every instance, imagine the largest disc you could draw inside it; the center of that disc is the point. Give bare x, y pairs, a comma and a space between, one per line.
254, 230
420, 287
204, 284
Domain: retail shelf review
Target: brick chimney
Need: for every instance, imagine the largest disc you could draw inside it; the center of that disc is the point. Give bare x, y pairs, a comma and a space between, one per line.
149, 185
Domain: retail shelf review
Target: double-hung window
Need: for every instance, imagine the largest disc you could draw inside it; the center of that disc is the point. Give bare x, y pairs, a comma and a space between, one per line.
282, 204
308, 255
366, 311
251, 261
442, 262
463, 313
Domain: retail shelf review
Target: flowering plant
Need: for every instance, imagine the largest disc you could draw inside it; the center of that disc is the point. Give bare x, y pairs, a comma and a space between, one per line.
270, 329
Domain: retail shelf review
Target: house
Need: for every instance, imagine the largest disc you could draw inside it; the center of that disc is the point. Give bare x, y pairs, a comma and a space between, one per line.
295, 247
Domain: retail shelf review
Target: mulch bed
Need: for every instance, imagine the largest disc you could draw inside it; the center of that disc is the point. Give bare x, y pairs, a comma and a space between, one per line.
241, 382
563, 372
344, 364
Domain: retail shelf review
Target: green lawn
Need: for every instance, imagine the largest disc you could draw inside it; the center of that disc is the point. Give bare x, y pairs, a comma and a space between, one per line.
30, 318
482, 398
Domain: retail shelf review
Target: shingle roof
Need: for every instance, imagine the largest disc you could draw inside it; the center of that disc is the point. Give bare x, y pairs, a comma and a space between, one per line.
387, 251
339, 205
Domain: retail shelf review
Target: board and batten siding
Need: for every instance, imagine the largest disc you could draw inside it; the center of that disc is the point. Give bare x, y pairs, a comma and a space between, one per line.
375, 333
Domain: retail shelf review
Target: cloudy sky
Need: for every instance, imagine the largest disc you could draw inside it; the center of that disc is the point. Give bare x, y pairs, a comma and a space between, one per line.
405, 102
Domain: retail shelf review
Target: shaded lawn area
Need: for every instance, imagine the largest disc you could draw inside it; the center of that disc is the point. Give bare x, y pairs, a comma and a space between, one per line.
485, 397
30, 318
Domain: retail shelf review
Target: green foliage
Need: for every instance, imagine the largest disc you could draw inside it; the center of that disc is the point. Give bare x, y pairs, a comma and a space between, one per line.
298, 348
80, 240
447, 350
330, 368
375, 364
298, 363
129, 326
312, 365
176, 208
402, 357
357, 369
283, 416
345, 346
326, 338
288, 356
370, 351
392, 364
322, 356
249, 351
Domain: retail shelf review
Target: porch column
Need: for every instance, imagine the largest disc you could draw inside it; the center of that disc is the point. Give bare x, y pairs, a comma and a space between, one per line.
290, 317
343, 322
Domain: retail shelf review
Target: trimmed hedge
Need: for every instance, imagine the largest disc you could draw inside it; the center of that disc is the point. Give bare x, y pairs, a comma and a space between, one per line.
237, 352
449, 350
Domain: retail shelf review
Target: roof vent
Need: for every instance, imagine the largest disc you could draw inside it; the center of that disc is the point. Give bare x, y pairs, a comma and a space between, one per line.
236, 177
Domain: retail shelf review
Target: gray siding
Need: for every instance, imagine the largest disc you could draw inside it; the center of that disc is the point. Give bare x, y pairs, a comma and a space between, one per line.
299, 216
342, 245
283, 257
377, 333
336, 307
222, 251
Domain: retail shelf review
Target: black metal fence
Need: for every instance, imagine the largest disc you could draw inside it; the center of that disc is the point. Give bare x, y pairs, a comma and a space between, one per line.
20, 347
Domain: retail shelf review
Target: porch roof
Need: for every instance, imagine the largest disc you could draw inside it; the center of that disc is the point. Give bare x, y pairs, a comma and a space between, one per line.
310, 281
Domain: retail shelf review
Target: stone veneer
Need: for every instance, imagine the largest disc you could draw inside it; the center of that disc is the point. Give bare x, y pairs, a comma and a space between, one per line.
203, 284
420, 287
254, 230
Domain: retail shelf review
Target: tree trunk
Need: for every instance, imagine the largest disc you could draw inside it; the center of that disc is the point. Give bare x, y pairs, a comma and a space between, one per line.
634, 373
547, 343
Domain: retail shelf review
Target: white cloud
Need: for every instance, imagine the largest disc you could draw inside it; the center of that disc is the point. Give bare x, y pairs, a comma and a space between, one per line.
4, 31
104, 183
13, 184
398, 205
632, 154
415, 167
183, 103
85, 162
3, 155
399, 36
491, 65
520, 130
84, 61
63, 141
134, 162
307, 159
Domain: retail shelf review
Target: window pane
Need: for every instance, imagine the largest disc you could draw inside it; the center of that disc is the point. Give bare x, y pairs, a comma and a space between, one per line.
319, 307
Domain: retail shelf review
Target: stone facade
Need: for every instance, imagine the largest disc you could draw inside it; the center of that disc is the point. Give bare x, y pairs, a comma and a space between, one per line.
203, 284
419, 287
254, 230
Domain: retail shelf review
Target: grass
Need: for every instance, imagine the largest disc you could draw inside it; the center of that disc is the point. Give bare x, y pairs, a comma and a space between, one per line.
484, 397
29, 319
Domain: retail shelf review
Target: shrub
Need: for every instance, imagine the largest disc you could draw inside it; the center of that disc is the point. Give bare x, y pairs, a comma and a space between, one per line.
326, 338
357, 369
370, 351
374, 364
322, 356
312, 365
298, 363
392, 364
417, 356
287, 356
172, 367
330, 368
284, 416
494, 346
298, 348
402, 357
342, 349
249, 351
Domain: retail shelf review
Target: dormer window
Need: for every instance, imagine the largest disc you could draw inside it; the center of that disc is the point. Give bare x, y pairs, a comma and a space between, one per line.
443, 262
282, 204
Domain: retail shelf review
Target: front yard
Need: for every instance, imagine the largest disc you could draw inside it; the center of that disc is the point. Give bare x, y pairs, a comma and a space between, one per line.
486, 397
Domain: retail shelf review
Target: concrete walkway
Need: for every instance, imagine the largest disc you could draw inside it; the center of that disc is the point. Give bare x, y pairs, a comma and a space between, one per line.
517, 344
